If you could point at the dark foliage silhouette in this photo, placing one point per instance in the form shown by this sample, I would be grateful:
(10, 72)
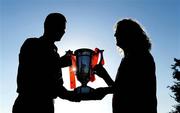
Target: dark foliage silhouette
(176, 87)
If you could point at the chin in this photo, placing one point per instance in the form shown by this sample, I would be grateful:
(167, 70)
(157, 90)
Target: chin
(117, 44)
(57, 38)
(121, 52)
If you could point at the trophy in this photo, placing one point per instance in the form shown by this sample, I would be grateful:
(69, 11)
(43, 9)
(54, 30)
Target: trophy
(83, 62)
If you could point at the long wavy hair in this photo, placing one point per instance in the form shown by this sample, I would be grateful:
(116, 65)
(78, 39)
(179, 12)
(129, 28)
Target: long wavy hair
(133, 35)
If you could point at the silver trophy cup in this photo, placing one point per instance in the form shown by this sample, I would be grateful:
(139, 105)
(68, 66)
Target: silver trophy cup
(84, 69)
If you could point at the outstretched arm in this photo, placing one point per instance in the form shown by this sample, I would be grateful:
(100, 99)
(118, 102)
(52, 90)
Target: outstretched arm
(101, 92)
(68, 95)
(101, 72)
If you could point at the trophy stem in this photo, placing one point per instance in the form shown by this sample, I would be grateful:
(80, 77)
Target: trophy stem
(84, 84)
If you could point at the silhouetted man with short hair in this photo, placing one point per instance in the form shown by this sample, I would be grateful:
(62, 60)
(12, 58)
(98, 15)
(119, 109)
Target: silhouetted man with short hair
(39, 78)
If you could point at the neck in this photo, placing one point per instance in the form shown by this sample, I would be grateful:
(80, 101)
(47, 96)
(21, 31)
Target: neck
(135, 52)
(47, 38)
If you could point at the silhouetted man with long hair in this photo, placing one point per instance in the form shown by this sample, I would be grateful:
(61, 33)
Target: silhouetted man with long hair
(134, 89)
(39, 78)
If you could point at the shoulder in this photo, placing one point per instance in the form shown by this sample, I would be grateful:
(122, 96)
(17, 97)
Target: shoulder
(148, 57)
(142, 59)
(145, 56)
(30, 43)
(148, 62)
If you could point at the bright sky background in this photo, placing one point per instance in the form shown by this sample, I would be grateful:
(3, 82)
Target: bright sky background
(89, 24)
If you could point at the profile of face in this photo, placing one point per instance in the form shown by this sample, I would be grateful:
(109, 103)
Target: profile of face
(131, 37)
(57, 31)
(127, 33)
(55, 25)
(120, 38)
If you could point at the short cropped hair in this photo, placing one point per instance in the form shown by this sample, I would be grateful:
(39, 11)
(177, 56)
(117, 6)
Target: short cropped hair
(53, 19)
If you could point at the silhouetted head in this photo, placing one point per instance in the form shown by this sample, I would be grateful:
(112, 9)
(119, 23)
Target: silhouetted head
(131, 37)
(54, 26)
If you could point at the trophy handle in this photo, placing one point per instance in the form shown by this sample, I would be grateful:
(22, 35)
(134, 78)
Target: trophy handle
(72, 69)
(95, 59)
(102, 58)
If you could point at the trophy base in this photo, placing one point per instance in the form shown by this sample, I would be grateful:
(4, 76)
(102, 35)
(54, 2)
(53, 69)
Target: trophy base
(85, 92)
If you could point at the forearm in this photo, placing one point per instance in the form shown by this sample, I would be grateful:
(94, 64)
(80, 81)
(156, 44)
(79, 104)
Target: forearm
(100, 93)
(68, 95)
(64, 93)
(108, 90)
(65, 61)
(108, 79)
